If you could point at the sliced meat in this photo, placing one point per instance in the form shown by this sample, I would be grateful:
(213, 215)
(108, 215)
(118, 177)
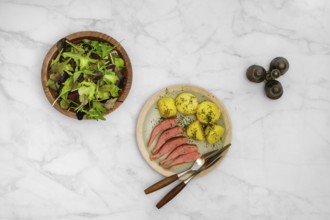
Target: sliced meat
(166, 135)
(181, 150)
(170, 145)
(162, 126)
(186, 158)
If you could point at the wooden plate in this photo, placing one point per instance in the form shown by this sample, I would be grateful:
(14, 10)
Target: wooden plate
(76, 37)
(149, 117)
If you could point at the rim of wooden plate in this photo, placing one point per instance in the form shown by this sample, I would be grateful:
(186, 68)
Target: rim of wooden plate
(76, 37)
(170, 89)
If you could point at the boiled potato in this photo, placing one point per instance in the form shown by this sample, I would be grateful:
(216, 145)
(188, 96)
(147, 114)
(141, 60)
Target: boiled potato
(166, 107)
(195, 131)
(208, 112)
(214, 133)
(186, 103)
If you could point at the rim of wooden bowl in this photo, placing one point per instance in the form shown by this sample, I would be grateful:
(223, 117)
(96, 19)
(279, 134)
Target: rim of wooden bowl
(76, 37)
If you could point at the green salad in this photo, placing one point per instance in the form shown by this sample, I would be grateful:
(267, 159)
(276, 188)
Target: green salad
(87, 77)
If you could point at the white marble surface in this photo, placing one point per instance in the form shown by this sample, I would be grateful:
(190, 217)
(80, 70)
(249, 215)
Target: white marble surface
(54, 167)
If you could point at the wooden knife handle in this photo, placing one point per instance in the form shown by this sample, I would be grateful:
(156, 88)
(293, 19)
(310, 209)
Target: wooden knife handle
(161, 184)
(171, 194)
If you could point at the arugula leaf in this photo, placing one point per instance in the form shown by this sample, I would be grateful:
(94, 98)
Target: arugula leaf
(107, 90)
(55, 77)
(65, 103)
(99, 107)
(114, 91)
(105, 48)
(119, 63)
(67, 86)
(103, 95)
(82, 61)
(57, 57)
(76, 47)
(88, 72)
(52, 84)
(65, 89)
(96, 111)
(104, 92)
(57, 67)
(76, 75)
(86, 89)
(93, 114)
(110, 77)
(100, 48)
(110, 104)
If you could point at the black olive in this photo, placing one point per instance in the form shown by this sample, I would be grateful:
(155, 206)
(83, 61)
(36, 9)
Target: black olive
(281, 64)
(256, 73)
(80, 115)
(273, 89)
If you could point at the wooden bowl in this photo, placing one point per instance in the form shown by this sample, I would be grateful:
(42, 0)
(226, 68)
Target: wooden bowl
(76, 37)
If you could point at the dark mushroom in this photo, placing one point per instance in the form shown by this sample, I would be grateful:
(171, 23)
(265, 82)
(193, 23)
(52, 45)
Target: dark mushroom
(268, 77)
(275, 73)
(256, 73)
(273, 89)
(281, 64)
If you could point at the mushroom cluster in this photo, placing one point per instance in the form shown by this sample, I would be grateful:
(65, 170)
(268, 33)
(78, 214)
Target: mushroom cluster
(278, 67)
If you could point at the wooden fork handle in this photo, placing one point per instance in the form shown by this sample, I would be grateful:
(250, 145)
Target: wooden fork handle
(175, 191)
(161, 184)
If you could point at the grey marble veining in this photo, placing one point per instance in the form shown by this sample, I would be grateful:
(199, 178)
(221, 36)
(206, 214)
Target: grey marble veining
(54, 167)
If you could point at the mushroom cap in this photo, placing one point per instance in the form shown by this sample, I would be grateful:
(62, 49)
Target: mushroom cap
(273, 89)
(281, 64)
(256, 73)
